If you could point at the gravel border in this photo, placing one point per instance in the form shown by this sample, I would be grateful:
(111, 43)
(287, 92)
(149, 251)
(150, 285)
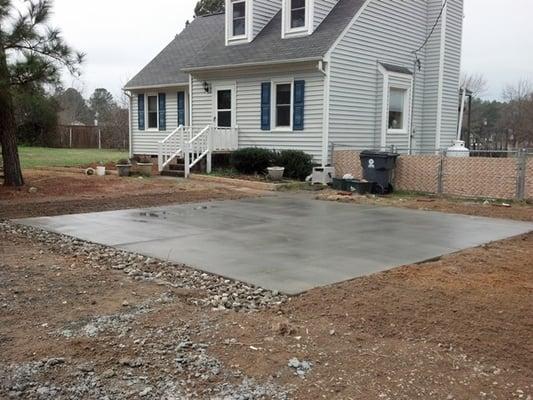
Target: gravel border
(215, 292)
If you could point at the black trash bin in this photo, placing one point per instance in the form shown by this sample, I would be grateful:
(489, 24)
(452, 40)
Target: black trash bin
(378, 167)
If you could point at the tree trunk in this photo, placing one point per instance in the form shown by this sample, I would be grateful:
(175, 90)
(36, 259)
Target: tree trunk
(8, 138)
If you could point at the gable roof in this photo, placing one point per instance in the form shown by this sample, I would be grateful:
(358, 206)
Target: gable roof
(202, 46)
(165, 68)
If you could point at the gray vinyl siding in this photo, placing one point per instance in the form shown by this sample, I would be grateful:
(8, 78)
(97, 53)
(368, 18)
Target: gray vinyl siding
(452, 72)
(248, 111)
(322, 9)
(452, 66)
(146, 142)
(387, 31)
(431, 84)
(263, 11)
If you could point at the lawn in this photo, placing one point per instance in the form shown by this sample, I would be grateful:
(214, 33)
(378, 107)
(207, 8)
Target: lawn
(33, 157)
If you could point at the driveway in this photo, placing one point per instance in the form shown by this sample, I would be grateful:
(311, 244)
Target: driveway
(288, 243)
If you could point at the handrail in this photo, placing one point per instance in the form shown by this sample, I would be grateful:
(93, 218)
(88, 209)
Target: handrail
(183, 142)
(175, 131)
(194, 139)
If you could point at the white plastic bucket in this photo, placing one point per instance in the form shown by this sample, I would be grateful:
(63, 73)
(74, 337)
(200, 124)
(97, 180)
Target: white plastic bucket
(100, 170)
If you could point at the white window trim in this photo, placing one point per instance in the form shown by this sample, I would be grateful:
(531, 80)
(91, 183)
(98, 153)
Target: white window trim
(146, 116)
(248, 25)
(225, 85)
(387, 85)
(405, 89)
(286, 31)
(274, 109)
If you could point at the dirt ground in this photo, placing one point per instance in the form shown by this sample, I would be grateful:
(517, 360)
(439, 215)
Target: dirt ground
(484, 208)
(456, 328)
(69, 191)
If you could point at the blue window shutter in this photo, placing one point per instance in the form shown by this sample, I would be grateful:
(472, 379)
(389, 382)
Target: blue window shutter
(299, 95)
(265, 106)
(162, 112)
(181, 108)
(140, 111)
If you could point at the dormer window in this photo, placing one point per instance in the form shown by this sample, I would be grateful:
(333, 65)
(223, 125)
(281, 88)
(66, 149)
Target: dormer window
(238, 13)
(297, 18)
(238, 21)
(298, 13)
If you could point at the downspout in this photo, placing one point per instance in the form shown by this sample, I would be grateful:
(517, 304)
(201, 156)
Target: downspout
(130, 122)
(190, 100)
(323, 66)
(412, 129)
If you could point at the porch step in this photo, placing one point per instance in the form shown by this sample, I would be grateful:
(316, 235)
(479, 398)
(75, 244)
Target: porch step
(176, 167)
(173, 173)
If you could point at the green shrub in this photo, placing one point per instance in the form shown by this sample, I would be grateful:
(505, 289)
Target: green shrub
(252, 160)
(298, 164)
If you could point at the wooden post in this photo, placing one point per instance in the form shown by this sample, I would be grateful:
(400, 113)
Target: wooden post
(99, 139)
(70, 137)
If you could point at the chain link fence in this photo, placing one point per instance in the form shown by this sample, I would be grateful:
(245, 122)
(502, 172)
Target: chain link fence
(485, 174)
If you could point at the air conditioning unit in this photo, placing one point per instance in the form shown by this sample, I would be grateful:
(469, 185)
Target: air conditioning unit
(322, 175)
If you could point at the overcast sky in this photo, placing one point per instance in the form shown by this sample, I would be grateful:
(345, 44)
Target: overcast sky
(121, 36)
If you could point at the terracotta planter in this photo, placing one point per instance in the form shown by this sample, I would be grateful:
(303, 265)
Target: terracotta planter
(123, 169)
(145, 169)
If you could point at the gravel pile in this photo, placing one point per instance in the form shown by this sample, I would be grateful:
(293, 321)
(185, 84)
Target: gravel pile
(213, 291)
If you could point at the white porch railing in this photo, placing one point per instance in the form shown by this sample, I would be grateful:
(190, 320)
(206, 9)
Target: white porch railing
(170, 147)
(194, 144)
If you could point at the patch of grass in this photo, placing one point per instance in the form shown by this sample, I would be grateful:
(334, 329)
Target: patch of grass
(34, 157)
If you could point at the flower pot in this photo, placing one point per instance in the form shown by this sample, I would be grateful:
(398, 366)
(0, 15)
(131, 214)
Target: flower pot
(276, 173)
(123, 169)
(145, 169)
(100, 170)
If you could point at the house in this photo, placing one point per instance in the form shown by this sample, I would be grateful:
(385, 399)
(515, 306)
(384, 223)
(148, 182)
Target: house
(302, 74)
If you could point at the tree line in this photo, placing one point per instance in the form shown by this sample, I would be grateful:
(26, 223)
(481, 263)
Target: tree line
(505, 124)
(38, 113)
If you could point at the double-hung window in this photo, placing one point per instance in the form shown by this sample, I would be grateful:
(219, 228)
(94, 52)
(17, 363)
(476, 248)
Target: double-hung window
(238, 15)
(397, 109)
(153, 112)
(283, 105)
(298, 14)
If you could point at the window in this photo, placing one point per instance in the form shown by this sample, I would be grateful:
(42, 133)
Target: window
(283, 105)
(152, 112)
(239, 18)
(397, 101)
(298, 13)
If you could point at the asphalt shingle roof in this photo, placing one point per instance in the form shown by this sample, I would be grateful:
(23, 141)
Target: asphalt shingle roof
(202, 45)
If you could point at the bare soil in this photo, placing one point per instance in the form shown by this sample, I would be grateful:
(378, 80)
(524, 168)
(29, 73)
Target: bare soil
(484, 208)
(456, 328)
(69, 191)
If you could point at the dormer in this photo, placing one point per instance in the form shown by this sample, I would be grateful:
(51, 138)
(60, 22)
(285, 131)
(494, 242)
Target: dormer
(246, 18)
(302, 17)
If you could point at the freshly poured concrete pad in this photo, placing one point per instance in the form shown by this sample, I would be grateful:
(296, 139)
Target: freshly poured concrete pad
(286, 243)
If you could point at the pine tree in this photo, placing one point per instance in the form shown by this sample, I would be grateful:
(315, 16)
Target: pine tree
(30, 52)
(204, 7)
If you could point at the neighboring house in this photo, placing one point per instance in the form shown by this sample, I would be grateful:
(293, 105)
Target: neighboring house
(302, 74)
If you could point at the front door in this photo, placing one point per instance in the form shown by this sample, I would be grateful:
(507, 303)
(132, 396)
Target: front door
(224, 110)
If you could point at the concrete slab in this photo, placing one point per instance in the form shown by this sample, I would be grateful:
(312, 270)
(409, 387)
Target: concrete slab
(287, 243)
